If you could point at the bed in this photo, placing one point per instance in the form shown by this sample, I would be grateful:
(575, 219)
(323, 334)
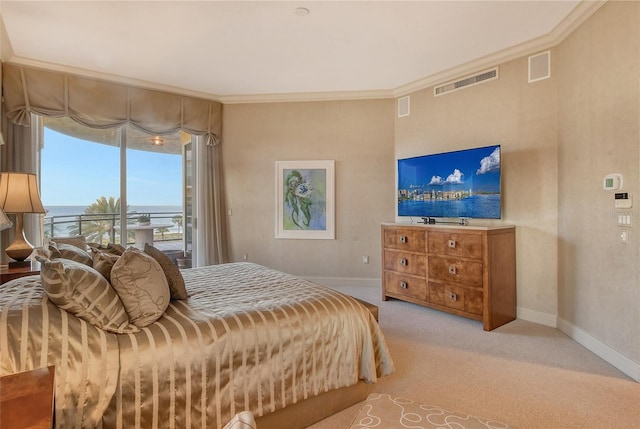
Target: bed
(247, 338)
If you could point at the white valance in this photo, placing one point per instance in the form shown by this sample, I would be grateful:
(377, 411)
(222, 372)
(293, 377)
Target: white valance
(99, 104)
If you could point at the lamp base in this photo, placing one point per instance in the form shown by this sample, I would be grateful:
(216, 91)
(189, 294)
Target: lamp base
(20, 249)
(20, 264)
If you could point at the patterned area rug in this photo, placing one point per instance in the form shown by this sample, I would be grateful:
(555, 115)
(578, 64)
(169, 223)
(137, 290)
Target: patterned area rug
(382, 411)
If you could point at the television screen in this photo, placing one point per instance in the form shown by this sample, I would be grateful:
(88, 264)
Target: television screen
(461, 184)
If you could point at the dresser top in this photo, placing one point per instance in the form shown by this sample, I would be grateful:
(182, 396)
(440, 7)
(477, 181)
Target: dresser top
(450, 226)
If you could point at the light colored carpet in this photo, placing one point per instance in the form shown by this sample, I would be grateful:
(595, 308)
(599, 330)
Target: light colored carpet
(523, 374)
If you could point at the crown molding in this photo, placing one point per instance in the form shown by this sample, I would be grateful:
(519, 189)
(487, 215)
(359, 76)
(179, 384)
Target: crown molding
(108, 77)
(570, 23)
(306, 96)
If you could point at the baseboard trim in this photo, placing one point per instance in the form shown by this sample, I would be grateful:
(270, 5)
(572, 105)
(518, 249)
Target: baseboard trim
(538, 317)
(346, 281)
(613, 357)
(605, 352)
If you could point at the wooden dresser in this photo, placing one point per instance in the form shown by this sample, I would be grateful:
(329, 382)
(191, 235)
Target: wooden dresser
(465, 270)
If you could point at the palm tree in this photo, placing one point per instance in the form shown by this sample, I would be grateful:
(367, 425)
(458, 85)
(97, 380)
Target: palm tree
(177, 219)
(100, 218)
(163, 231)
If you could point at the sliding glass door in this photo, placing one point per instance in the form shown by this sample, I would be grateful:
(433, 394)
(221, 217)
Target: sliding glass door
(117, 185)
(80, 181)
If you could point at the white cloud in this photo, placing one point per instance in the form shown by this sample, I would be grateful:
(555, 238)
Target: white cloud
(436, 180)
(455, 177)
(490, 163)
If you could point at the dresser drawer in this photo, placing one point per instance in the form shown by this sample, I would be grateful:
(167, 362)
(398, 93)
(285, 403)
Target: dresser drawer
(404, 262)
(452, 270)
(455, 244)
(405, 239)
(457, 297)
(400, 284)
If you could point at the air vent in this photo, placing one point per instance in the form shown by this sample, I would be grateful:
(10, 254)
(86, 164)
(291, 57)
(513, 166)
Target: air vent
(404, 106)
(485, 76)
(540, 66)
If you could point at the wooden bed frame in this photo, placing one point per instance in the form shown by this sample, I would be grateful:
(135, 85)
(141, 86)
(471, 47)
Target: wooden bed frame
(312, 410)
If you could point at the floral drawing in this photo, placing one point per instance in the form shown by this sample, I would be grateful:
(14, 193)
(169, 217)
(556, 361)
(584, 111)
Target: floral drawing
(298, 198)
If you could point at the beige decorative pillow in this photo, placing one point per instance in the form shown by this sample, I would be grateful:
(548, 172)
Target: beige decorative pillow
(79, 241)
(171, 271)
(84, 292)
(103, 263)
(113, 248)
(69, 251)
(142, 286)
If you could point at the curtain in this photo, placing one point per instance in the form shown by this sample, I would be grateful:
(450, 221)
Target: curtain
(20, 153)
(210, 220)
(100, 104)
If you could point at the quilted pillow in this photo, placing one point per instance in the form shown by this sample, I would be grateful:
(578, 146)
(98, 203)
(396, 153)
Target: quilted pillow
(142, 286)
(103, 262)
(82, 291)
(243, 420)
(69, 251)
(174, 278)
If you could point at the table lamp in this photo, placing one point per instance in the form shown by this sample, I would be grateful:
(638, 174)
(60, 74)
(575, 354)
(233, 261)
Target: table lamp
(19, 195)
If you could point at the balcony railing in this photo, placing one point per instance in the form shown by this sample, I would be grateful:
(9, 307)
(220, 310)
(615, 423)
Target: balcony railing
(100, 227)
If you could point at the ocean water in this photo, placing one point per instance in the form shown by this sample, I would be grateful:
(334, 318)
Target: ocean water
(477, 206)
(77, 210)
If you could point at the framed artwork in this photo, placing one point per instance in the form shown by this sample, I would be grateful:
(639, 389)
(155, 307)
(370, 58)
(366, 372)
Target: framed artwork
(305, 201)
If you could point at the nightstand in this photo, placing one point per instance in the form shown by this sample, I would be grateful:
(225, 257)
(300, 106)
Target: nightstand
(7, 273)
(26, 399)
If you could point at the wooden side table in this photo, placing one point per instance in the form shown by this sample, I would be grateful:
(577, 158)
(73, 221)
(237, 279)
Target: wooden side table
(7, 273)
(26, 399)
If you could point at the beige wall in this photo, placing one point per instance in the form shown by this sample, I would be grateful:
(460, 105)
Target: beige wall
(358, 135)
(599, 106)
(559, 137)
(522, 118)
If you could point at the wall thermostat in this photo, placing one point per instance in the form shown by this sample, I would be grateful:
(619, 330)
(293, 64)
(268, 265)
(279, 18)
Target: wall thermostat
(612, 182)
(623, 200)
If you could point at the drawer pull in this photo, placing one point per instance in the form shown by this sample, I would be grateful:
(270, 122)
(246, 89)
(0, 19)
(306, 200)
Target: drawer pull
(452, 269)
(452, 244)
(453, 296)
(403, 239)
(404, 285)
(404, 262)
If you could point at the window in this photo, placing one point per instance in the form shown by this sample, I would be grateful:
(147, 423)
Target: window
(98, 183)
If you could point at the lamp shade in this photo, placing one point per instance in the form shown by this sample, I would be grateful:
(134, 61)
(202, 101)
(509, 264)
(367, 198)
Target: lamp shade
(19, 193)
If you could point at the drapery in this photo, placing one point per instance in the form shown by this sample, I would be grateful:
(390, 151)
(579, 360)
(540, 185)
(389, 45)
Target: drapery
(100, 104)
(210, 217)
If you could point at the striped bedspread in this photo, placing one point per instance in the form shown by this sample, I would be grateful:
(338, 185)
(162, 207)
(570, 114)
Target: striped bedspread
(248, 338)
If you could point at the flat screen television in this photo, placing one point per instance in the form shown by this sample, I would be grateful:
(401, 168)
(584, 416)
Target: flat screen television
(462, 184)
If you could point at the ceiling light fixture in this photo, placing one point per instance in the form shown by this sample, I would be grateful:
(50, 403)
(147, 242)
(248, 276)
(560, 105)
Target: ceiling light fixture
(157, 141)
(302, 11)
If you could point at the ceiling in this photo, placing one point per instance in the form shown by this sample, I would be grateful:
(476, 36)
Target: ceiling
(252, 49)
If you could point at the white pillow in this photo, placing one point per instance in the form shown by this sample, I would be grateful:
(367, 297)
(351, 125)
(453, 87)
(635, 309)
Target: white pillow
(142, 287)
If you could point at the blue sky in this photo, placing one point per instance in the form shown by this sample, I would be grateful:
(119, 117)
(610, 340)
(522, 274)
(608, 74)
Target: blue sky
(476, 169)
(76, 172)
